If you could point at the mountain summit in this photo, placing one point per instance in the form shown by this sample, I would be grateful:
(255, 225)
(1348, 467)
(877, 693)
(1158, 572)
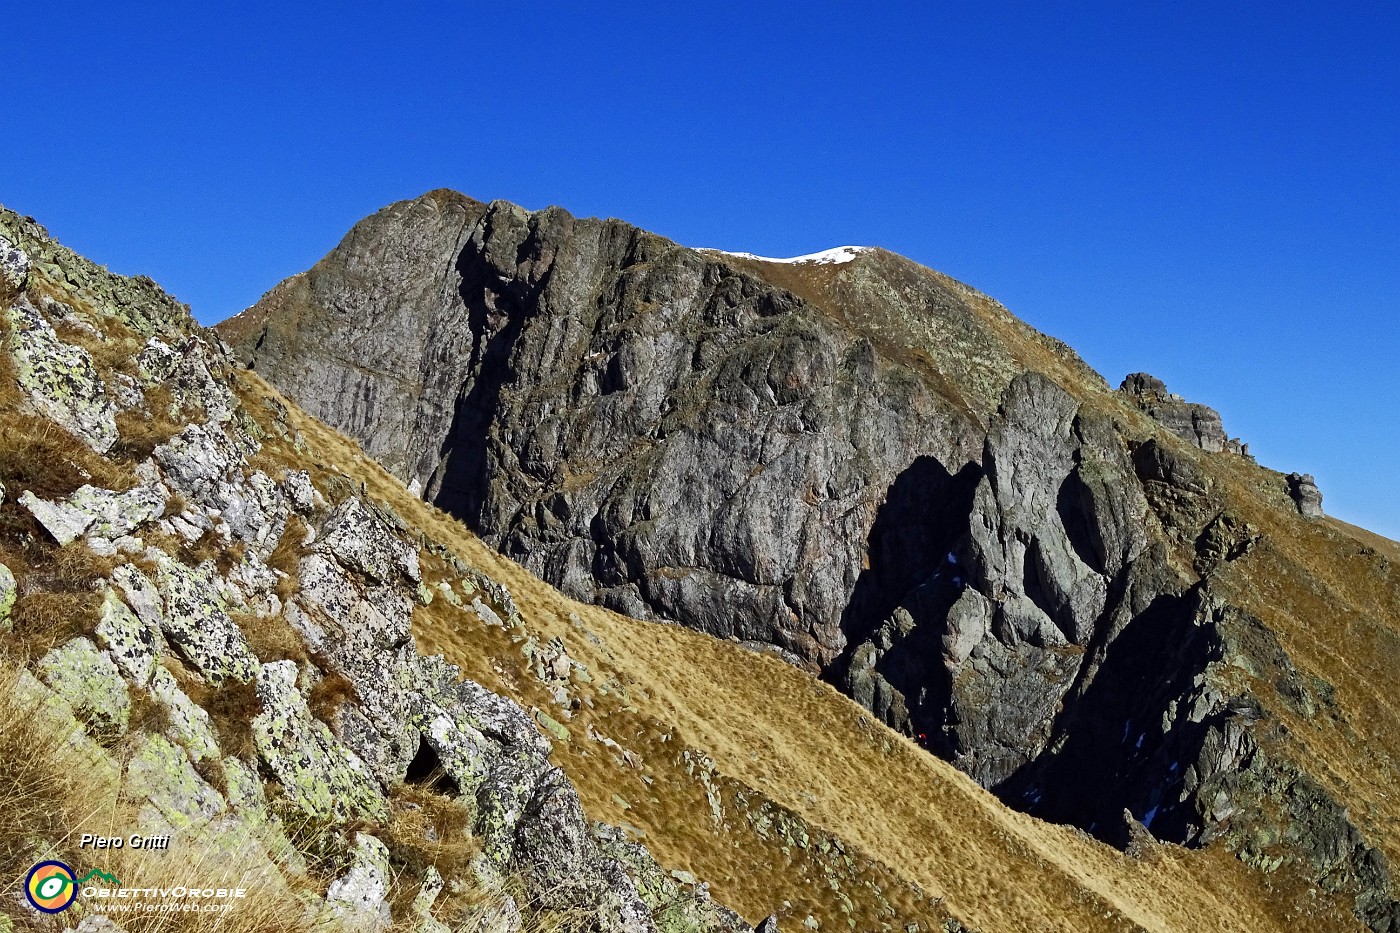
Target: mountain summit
(1092, 601)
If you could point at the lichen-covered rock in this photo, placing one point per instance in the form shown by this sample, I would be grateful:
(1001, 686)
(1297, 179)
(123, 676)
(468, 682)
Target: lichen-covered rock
(423, 901)
(317, 773)
(359, 898)
(91, 683)
(552, 844)
(60, 719)
(198, 461)
(362, 632)
(195, 621)
(301, 494)
(60, 380)
(187, 724)
(360, 538)
(100, 513)
(9, 591)
(63, 524)
(185, 372)
(160, 773)
(205, 464)
(133, 644)
(14, 271)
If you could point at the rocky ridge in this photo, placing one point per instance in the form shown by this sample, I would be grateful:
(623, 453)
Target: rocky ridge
(235, 655)
(880, 474)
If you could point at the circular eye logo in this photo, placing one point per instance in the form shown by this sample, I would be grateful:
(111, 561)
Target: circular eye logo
(51, 887)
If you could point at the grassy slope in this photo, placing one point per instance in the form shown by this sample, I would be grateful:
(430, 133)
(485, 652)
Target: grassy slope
(811, 750)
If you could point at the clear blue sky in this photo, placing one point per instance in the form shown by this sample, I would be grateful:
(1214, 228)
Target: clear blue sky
(1206, 191)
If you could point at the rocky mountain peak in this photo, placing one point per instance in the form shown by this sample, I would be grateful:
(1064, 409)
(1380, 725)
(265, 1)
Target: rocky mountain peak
(870, 469)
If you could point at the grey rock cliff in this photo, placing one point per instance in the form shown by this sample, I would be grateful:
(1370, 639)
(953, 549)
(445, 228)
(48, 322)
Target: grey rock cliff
(870, 467)
(646, 426)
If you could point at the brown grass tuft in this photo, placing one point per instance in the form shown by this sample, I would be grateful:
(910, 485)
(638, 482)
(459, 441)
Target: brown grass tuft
(286, 557)
(428, 829)
(47, 794)
(231, 706)
(60, 594)
(271, 638)
(330, 693)
(141, 430)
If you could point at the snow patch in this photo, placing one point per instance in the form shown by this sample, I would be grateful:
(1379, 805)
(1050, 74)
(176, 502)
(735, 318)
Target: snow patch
(832, 257)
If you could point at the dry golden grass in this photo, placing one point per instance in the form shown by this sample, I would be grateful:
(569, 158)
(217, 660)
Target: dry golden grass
(811, 750)
(42, 458)
(141, 430)
(47, 794)
(231, 706)
(271, 638)
(218, 860)
(60, 588)
(1331, 592)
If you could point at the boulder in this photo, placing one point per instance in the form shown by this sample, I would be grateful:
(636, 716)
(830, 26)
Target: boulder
(101, 513)
(161, 774)
(361, 539)
(88, 679)
(359, 899)
(196, 622)
(317, 773)
(187, 724)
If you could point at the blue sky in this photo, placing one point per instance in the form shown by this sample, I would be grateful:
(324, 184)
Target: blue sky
(1206, 191)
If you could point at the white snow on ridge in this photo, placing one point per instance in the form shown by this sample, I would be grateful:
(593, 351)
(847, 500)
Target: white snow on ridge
(833, 256)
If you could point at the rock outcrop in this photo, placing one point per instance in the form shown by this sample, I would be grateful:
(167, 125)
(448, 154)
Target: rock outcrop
(1197, 424)
(1302, 489)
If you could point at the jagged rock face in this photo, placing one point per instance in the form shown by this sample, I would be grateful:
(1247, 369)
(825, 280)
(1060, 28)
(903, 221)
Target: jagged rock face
(646, 426)
(1052, 555)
